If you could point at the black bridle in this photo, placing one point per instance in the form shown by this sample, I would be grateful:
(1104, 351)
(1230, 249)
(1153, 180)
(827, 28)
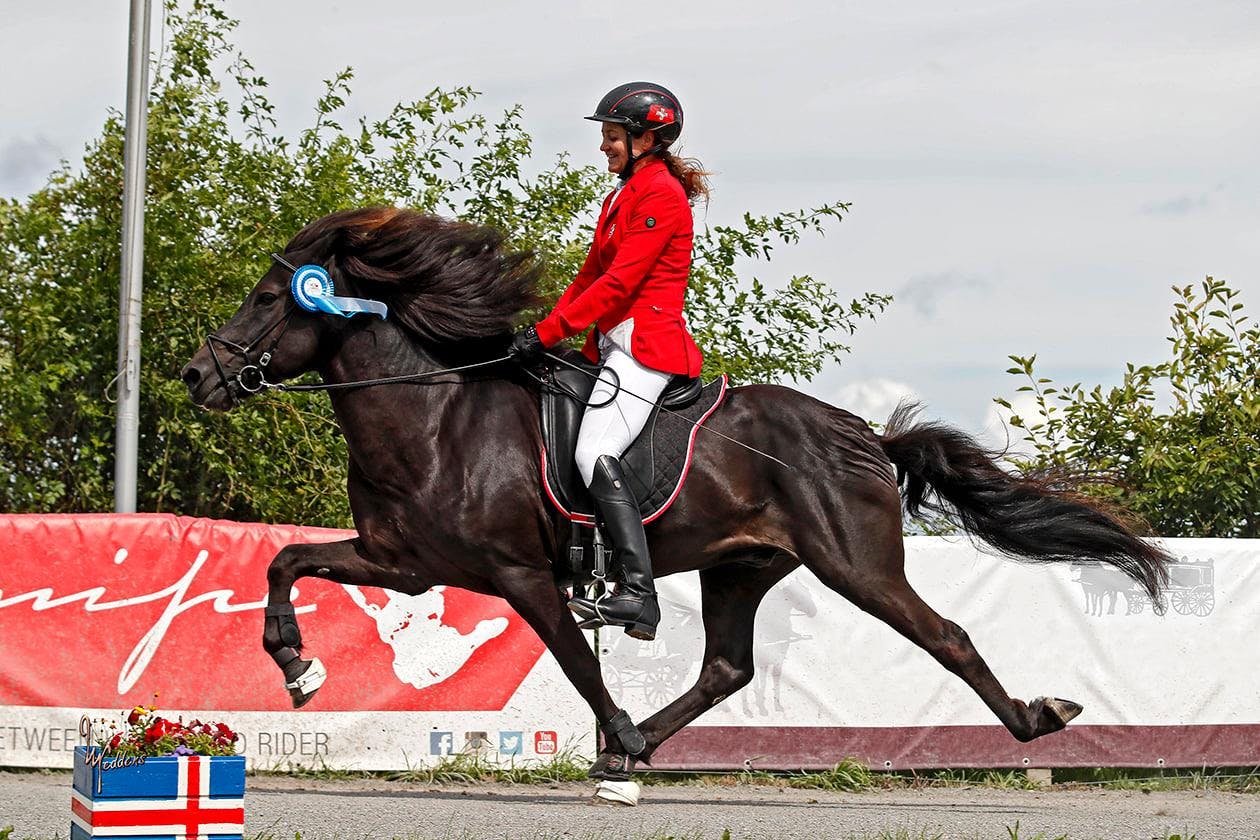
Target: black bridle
(251, 378)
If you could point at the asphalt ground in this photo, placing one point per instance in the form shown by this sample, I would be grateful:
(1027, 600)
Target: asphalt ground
(37, 806)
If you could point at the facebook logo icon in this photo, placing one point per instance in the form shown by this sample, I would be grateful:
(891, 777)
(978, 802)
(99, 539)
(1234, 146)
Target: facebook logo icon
(511, 743)
(441, 743)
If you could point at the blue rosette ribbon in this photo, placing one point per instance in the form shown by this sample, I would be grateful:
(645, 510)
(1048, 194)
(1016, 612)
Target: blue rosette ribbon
(312, 288)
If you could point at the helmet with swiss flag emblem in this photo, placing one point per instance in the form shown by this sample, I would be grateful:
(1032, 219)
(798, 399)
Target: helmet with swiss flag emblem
(640, 107)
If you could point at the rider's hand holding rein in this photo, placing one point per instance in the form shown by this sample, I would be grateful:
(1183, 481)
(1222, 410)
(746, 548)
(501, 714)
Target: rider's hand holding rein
(631, 287)
(525, 345)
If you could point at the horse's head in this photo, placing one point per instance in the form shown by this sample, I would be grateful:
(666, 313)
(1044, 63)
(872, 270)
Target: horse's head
(445, 282)
(270, 338)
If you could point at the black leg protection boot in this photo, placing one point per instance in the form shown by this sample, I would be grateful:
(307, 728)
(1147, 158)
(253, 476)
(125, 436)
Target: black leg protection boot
(634, 605)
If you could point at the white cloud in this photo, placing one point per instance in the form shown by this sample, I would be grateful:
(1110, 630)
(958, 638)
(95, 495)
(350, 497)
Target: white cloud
(925, 291)
(873, 399)
(1182, 204)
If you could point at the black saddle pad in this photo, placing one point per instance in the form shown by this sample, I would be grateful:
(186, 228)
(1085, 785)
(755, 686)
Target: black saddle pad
(655, 464)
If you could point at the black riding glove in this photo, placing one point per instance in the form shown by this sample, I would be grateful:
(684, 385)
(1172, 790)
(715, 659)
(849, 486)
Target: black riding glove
(526, 345)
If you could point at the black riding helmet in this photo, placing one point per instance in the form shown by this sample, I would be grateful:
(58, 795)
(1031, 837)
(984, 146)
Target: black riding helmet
(640, 107)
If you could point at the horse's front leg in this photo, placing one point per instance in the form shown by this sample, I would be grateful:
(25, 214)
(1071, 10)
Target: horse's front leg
(340, 562)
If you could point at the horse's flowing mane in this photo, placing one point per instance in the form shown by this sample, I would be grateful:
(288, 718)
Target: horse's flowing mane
(443, 280)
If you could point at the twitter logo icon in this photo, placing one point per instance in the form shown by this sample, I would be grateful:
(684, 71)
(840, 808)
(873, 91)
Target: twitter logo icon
(511, 743)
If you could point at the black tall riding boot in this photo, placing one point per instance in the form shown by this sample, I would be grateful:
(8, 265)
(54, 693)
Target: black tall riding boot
(634, 605)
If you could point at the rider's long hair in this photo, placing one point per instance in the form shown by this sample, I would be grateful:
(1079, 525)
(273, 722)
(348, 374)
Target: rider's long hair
(690, 173)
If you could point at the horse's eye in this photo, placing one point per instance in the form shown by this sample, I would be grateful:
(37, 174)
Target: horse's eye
(267, 298)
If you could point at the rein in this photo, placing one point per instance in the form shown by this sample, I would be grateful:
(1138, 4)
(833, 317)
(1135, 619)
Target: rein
(386, 380)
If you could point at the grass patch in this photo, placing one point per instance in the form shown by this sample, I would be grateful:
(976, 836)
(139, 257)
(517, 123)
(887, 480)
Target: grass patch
(1000, 779)
(1228, 779)
(852, 776)
(462, 768)
(849, 775)
(469, 768)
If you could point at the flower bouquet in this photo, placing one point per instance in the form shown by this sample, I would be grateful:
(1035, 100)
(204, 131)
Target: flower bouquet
(149, 735)
(157, 777)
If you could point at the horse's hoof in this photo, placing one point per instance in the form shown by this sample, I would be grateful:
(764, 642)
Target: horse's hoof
(612, 767)
(1064, 710)
(302, 689)
(609, 792)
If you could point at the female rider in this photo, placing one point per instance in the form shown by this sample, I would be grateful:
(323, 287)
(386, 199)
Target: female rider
(631, 288)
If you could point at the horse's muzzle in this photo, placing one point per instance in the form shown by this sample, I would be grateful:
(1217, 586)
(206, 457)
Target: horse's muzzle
(206, 387)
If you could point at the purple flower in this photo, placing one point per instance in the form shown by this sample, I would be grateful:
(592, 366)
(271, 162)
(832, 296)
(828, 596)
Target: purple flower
(183, 750)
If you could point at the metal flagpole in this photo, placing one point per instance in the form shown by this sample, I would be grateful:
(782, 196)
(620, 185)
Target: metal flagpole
(126, 443)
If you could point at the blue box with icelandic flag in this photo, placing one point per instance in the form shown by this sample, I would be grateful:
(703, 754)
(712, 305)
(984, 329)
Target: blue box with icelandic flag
(194, 796)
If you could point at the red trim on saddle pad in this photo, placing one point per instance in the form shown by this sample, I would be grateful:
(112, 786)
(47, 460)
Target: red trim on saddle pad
(583, 519)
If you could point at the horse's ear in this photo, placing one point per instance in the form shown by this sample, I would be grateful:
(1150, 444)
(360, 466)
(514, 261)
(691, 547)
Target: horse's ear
(346, 282)
(339, 247)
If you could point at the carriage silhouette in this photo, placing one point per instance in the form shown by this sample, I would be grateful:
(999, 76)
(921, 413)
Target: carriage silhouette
(658, 670)
(1191, 589)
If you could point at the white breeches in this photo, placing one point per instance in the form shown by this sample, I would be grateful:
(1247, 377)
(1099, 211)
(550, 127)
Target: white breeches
(610, 429)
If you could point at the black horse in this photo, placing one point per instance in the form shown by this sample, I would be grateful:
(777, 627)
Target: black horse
(445, 483)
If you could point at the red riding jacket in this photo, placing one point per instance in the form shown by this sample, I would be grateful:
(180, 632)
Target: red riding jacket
(637, 268)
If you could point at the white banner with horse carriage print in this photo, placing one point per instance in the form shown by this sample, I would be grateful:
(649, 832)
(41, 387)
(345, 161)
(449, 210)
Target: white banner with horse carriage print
(1174, 689)
(102, 612)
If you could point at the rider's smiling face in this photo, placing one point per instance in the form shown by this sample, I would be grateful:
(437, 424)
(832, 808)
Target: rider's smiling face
(614, 145)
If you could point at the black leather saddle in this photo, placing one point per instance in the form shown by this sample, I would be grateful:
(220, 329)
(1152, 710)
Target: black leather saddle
(655, 464)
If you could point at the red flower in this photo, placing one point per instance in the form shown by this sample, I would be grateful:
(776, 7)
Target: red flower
(160, 728)
(115, 741)
(134, 717)
(225, 732)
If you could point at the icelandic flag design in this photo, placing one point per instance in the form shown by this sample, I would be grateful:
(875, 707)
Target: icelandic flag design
(660, 114)
(169, 798)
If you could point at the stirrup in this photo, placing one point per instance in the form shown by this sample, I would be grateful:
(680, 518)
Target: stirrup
(599, 618)
(634, 628)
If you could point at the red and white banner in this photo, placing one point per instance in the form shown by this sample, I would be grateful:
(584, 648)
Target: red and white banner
(101, 612)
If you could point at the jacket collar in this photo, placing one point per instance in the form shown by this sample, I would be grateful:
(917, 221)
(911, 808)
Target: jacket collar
(647, 172)
(641, 176)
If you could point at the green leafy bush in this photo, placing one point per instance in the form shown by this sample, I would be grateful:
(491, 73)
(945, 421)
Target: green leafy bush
(1177, 442)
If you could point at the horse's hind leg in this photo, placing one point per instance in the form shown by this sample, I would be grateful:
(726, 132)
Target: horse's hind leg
(341, 562)
(874, 579)
(730, 594)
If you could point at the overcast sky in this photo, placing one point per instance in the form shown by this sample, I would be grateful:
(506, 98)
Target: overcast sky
(1025, 176)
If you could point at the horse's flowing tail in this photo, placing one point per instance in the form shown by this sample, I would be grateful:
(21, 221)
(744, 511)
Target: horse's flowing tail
(943, 471)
